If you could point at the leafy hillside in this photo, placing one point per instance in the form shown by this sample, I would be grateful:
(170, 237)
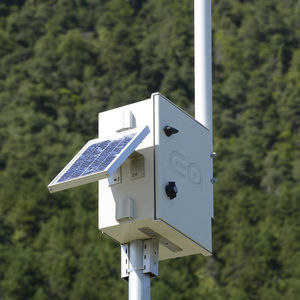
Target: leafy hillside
(63, 61)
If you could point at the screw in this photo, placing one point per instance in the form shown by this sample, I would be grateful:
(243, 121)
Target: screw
(213, 155)
(213, 180)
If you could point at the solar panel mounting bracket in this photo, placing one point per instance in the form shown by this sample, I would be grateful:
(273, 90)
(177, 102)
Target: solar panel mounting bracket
(115, 178)
(137, 165)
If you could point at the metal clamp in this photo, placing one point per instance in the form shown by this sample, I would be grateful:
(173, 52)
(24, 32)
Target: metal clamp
(150, 259)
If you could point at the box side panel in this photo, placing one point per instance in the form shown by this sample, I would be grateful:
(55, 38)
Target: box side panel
(139, 190)
(183, 158)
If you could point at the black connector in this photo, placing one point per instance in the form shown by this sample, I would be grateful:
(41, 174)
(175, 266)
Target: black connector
(170, 130)
(171, 190)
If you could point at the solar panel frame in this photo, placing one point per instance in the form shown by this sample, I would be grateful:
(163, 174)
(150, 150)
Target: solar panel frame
(139, 136)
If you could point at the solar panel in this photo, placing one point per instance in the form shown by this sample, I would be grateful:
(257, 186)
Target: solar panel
(98, 159)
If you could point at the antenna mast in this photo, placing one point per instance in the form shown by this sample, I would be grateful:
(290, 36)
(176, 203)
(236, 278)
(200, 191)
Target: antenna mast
(203, 63)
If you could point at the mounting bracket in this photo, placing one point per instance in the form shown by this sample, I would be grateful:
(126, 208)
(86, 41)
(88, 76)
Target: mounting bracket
(137, 165)
(150, 259)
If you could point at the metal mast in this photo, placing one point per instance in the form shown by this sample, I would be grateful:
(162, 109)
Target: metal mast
(203, 63)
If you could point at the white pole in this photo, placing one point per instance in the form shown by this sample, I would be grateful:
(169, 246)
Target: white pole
(139, 283)
(203, 63)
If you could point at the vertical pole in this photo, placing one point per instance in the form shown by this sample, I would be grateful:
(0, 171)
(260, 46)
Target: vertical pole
(139, 283)
(203, 63)
(203, 71)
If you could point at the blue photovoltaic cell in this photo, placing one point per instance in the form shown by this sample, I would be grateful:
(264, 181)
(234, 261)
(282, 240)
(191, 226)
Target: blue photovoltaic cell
(96, 158)
(108, 155)
(86, 158)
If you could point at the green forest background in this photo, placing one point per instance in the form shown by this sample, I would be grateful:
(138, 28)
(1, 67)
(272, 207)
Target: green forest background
(63, 61)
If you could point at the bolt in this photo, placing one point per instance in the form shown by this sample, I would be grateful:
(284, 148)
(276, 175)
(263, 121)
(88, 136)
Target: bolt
(213, 155)
(213, 180)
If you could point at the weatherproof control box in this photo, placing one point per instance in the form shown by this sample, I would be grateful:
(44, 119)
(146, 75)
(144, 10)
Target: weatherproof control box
(163, 190)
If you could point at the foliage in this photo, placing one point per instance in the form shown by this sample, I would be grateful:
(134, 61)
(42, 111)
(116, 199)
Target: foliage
(62, 61)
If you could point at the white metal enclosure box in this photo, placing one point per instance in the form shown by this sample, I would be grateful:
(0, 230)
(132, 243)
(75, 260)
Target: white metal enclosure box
(134, 204)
